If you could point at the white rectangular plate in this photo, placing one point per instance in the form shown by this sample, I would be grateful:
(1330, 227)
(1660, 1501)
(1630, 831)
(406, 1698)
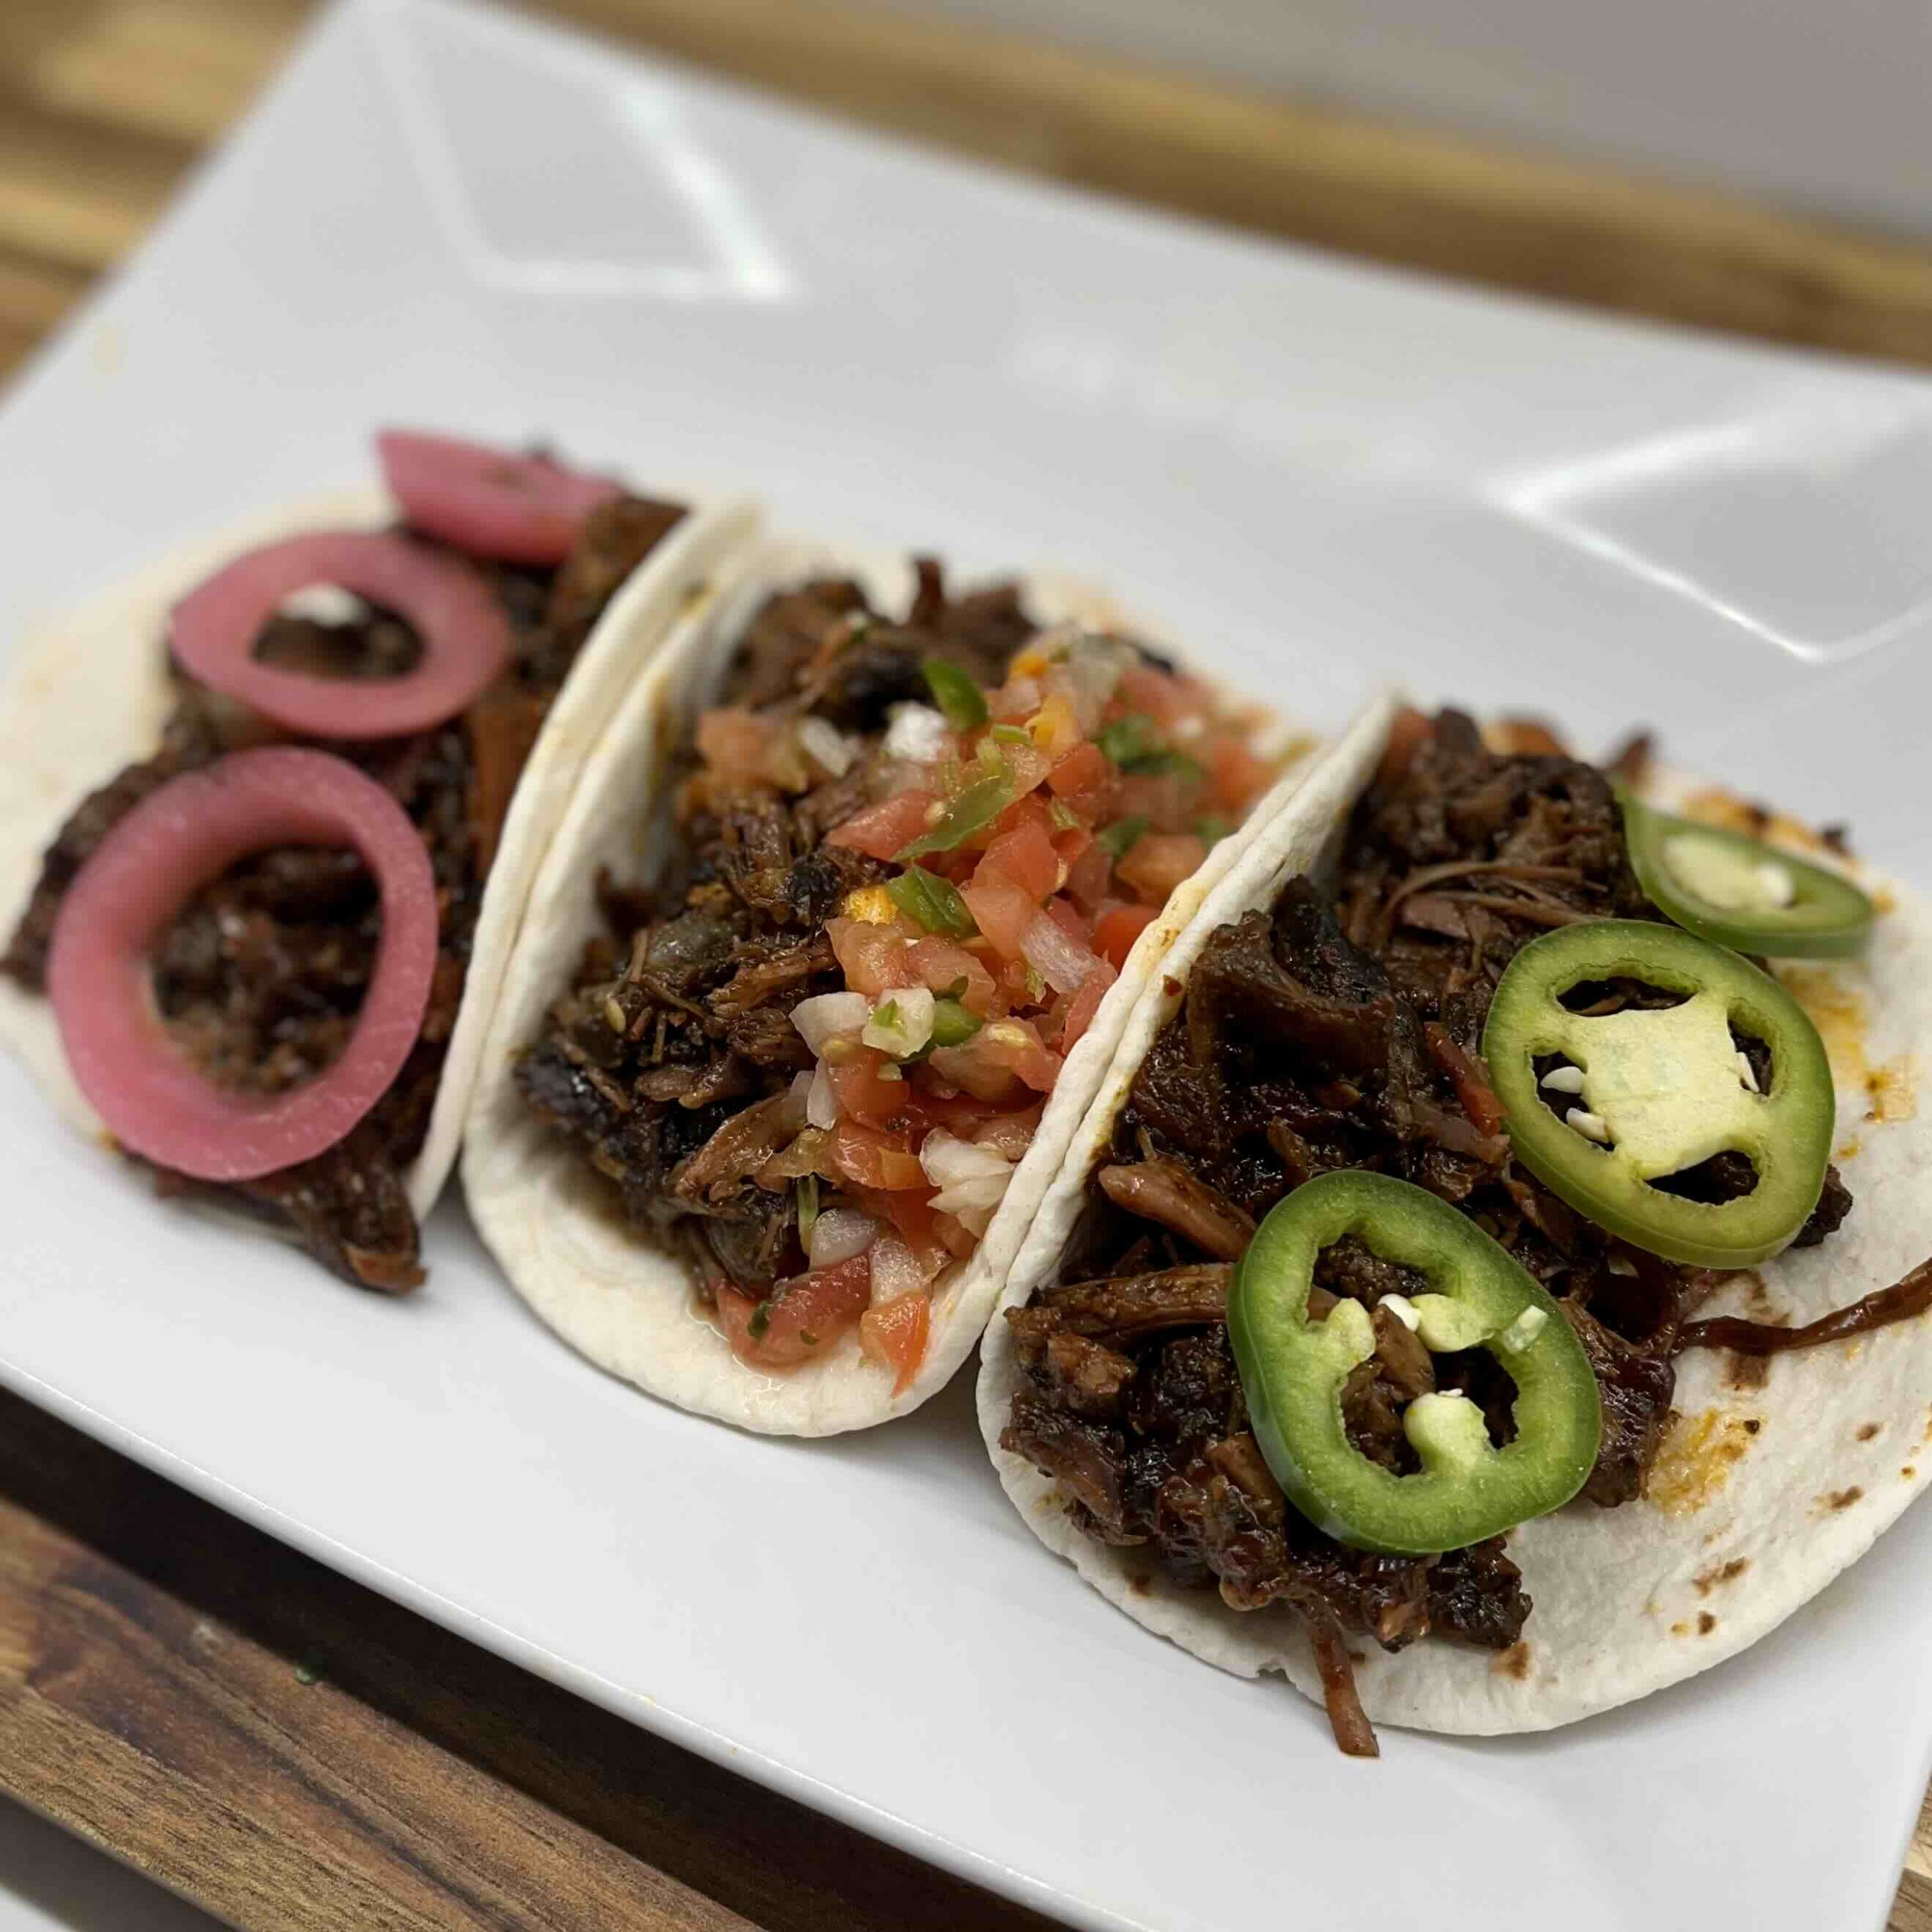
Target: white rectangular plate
(1317, 473)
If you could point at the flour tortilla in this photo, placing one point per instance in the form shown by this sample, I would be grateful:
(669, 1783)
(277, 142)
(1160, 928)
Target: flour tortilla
(552, 1223)
(90, 690)
(1762, 1495)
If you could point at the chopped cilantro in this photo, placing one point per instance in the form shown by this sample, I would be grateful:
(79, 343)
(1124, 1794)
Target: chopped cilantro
(961, 700)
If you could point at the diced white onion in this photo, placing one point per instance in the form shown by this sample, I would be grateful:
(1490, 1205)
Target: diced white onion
(838, 1234)
(947, 1159)
(895, 1270)
(826, 746)
(822, 1103)
(1052, 952)
(1008, 1135)
(818, 1018)
(917, 732)
(322, 603)
(1021, 697)
(901, 1023)
(974, 1203)
(1095, 665)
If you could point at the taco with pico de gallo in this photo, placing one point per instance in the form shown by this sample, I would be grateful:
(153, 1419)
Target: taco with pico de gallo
(823, 968)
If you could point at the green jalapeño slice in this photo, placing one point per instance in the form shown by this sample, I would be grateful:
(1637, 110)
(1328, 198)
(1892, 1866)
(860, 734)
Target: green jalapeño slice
(1602, 1107)
(1293, 1370)
(1739, 892)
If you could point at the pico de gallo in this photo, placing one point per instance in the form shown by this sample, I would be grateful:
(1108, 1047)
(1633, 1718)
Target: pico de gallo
(913, 859)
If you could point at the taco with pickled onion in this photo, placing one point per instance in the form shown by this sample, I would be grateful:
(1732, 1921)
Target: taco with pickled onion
(1455, 1298)
(823, 966)
(272, 809)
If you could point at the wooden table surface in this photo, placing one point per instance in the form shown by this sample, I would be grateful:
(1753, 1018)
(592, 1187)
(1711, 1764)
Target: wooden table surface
(280, 1745)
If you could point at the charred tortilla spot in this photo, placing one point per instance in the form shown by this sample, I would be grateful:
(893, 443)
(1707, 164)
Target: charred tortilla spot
(1706, 1623)
(1708, 1580)
(1867, 1430)
(1514, 1661)
(1835, 1499)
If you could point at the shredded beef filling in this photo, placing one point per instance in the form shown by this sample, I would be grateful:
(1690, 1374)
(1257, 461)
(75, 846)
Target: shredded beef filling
(677, 1025)
(262, 975)
(1342, 1032)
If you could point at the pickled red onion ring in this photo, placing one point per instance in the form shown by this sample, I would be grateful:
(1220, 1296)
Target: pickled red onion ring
(523, 509)
(465, 635)
(154, 1101)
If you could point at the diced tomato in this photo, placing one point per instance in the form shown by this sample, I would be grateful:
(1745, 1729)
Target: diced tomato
(940, 964)
(1054, 728)
(1168, 800)
(799, 1318)
(1015, 1045)
(914, 1221)
(874, 959)
(1028, 765)
(960, 1240)
(1032, 809)
(1019, 697)
(1009, 1133)
(1166, 699)
(863, 1092)
(1025, 858)
(869, 1158)
(1085, 769)
(1070, 842)
(958, 1113)
(1086, 1003)
(1158, 862)
(1116, 929)
(1019, 984)
(1237, 777)
(1088, 877)
(733, 741)
(984, 1078)
(1002, 911)
(884, 830)
(910, 1211)
(1067, 918)
(895, 1333)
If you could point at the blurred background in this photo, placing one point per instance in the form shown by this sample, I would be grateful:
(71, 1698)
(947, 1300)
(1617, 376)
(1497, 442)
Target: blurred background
(1759, 165)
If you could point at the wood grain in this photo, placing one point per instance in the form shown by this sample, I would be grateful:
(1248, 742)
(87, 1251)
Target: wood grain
(293, 1752)
(287, 1750)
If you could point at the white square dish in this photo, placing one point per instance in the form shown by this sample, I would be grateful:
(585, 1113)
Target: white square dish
(1316, 474)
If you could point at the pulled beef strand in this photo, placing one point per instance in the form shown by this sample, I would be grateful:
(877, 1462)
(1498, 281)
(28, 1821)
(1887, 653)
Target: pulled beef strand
(1164, 1191)
(1907, 1298)
(1355, 1736)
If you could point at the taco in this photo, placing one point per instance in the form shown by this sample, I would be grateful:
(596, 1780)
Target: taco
(284, 794)
(1447, 1301)
(823, 968)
